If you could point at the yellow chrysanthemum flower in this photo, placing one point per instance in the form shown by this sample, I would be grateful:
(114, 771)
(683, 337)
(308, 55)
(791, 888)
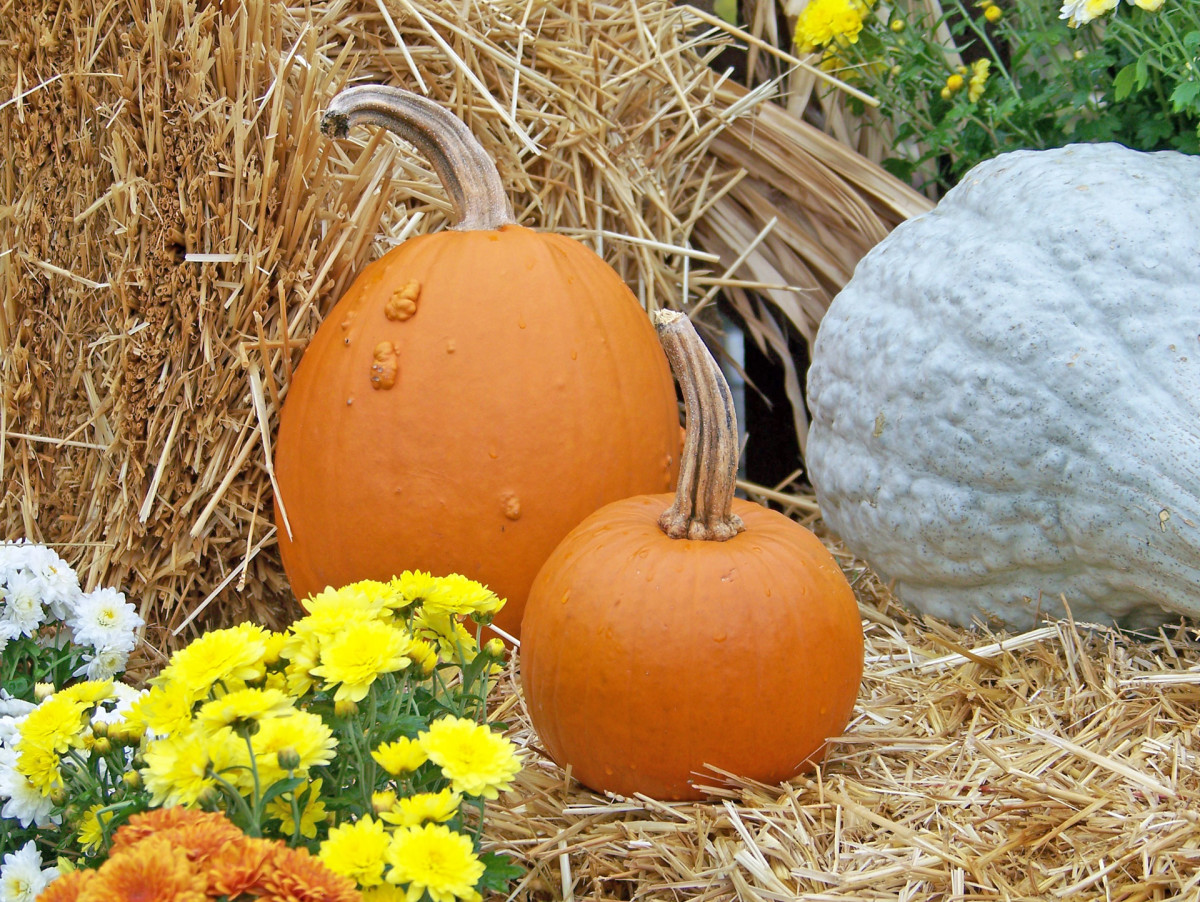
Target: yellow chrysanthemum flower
(49, 730)
(434, 859)
(176, 771)
(825, 22)
(56, 724)
(476, 761)
(979, 76)
(91, 827)
(242, 706)
(360, 655)
(228, 754)
(423, 807)
(300, 732)
(400, 757)
(330, 613)
(424, 654)
(163, 710)
(40, 766)
(275, 643)
(413, 587)
(218, 656)
(88, 692)
(349, 602)
(357, 851)
(312, 812)
(452, 639)
(457, 595)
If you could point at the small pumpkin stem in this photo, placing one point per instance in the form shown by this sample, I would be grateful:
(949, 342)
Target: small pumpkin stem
(463, 166)
(703, 507)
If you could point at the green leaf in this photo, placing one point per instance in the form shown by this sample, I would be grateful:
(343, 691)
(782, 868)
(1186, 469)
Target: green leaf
(1126, 82)
(498, 872)
(1186, 96)
(1143, 70)
(900, 168)
(279, 787)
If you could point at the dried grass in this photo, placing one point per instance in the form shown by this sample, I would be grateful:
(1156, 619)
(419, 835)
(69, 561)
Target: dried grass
(1057, 764)
(173, 228)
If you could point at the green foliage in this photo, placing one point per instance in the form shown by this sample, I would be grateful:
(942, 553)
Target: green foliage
(1129, 74)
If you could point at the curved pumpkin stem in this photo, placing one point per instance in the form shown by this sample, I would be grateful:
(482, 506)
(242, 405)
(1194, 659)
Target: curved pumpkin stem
(464, 168)
(703, 507)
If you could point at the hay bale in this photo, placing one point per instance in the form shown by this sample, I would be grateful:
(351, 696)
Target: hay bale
(174, 228)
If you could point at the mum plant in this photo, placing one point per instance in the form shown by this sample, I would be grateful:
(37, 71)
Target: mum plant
(973, 79)
(52, 634)
(51, 631)
(360, 734)
(186, 854)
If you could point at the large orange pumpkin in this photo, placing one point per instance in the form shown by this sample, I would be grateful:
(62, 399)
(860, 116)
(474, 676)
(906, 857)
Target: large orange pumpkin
(719, 633)
(474, 395)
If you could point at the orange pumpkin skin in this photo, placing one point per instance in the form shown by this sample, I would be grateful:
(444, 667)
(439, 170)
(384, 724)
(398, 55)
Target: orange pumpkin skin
(643, 658)
(527, 366)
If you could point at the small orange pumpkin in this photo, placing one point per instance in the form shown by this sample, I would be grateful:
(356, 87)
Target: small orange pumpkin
(474, 395)
(720, 633)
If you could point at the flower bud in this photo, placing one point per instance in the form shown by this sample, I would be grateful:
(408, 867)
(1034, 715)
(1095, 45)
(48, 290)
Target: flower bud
(897, 25)
(132, 779)
(101, 745)
(99, 728)
(345, 707)
(955, 83)
(494, 647)
(946, 93)
(58, 797)
(384, 800)
(993, 14)
(42, 691)
(288, 758)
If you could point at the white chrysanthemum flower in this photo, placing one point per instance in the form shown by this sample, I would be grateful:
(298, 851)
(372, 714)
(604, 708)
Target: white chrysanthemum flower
(11, 706)
(61, 584)
(12, 712)
(22, 877)
(103, 619)
(1080, 12)
(102, 663)
(14, 556)
(22, 800)
(22, 612)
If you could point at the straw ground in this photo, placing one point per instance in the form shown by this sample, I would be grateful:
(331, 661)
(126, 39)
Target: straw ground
(1057, 764)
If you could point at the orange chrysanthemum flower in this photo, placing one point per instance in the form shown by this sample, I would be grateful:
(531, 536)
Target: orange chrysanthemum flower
(239, 867)
(154, 871)
(158, 820)
(298, 876)
(67, 887)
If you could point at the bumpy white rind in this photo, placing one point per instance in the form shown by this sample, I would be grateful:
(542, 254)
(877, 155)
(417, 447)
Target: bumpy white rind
(1006, 396)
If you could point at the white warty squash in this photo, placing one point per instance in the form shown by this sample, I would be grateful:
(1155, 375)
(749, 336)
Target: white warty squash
(1006, 395)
